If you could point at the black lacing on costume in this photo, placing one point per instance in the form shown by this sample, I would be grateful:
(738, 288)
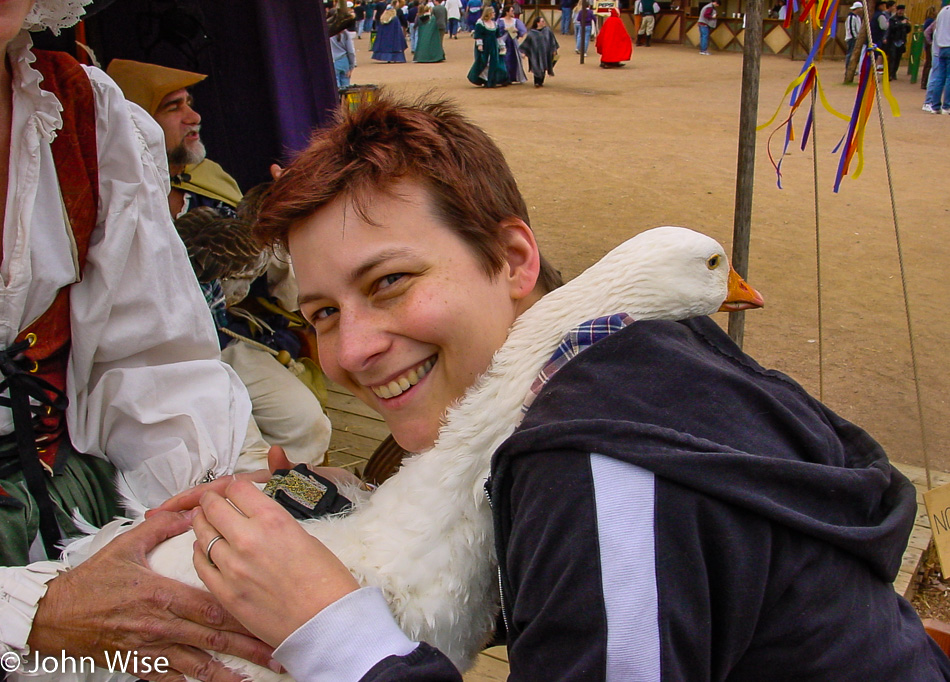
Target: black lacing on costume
(23, 384)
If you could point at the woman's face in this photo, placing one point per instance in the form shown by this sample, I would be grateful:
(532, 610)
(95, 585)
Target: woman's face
(406, 317)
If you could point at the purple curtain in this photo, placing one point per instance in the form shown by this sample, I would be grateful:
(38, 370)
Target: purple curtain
(297, 51)
(270, 77)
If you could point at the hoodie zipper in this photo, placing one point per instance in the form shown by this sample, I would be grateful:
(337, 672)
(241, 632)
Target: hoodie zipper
(501, 590)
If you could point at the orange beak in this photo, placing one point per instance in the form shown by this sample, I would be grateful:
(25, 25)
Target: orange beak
(740, 295)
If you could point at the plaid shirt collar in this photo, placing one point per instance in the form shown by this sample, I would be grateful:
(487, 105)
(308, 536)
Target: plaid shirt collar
(583, 336)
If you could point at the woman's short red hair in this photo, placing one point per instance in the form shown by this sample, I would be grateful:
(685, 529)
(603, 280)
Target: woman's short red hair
(377, 143)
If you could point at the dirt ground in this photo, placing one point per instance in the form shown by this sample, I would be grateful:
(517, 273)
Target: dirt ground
(602, 154)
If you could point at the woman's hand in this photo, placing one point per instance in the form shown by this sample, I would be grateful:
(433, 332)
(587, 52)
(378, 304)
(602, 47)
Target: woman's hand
(267, 570)
(276, 459)
(114, 604)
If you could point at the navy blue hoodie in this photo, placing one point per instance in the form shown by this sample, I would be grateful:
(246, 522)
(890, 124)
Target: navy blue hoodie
(670, 510)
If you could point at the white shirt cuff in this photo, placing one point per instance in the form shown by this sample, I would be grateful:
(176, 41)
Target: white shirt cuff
(344, 640)
(21, 588)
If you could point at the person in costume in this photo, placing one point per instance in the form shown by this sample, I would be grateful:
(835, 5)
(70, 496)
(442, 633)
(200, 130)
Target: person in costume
(453, 10)
(613, 42)
(540, 47)
(473, 12)
(111, 368)
(584, 23)
(488, 68)
(285, 410)
(661, 513)
(647, 9)
(895, 40)
(514, 30)
(429, 48)
(390, 44)
(880, 21)
(441, 16)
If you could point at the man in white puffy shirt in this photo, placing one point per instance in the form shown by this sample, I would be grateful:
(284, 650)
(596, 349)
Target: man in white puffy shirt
(110, 368)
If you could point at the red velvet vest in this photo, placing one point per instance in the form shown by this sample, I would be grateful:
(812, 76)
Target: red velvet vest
(75, 156)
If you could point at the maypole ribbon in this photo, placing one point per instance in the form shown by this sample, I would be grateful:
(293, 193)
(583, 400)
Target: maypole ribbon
(823, 14)
(802, 87)
(791, 6)
(853, 141)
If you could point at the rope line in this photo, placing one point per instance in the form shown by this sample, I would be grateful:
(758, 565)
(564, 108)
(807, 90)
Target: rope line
(900, 254)
(900, 260)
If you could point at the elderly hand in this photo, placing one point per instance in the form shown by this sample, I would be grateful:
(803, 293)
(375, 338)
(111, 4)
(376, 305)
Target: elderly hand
(114, 603)
(268, 571)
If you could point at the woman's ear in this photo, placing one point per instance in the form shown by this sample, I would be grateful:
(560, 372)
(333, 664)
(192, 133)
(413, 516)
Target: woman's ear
(522, 259)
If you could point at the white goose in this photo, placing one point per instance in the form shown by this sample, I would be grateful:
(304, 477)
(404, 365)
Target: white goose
(425, 536)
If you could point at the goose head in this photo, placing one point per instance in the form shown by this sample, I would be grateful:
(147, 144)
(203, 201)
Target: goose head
(668, 272)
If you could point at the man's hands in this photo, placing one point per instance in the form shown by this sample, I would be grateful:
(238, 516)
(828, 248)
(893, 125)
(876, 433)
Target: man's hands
(114, 603)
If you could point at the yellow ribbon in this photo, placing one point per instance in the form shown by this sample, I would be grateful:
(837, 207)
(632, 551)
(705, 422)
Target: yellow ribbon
(895, 109)
(821, 94)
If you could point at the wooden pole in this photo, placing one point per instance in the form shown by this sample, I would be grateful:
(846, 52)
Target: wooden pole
(745, 167)
(852, 66)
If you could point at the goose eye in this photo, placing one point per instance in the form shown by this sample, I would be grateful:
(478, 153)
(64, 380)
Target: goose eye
(713, 262)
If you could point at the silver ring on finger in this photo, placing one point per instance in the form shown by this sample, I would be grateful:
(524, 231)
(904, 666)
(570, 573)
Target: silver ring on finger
(208, 550)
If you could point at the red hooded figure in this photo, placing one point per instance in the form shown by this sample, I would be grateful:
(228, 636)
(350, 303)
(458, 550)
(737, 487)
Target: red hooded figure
(613, 42)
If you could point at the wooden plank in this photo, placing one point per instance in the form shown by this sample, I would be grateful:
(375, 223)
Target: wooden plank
(487, 669)
(499, 652)
(345, 460)
(352, 444)
(361, 426)
(920, 538)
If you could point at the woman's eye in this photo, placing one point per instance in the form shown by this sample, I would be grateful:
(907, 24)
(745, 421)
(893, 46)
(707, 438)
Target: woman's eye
(389, 280)
(323, 313)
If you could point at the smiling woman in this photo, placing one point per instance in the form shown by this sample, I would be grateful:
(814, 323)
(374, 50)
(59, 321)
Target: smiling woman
(406, 316)
(430, 258)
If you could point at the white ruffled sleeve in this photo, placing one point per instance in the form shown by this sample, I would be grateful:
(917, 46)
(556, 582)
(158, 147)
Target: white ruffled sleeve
(21, 589)
(146, 386)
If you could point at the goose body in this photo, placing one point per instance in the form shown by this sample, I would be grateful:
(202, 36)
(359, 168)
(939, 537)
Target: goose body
(425, 536)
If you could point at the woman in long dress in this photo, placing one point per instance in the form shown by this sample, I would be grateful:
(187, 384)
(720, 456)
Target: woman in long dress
(428, 38)
(613, 42)
(489, 67)
(390, 44)
(540, 46)
(514, 29)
